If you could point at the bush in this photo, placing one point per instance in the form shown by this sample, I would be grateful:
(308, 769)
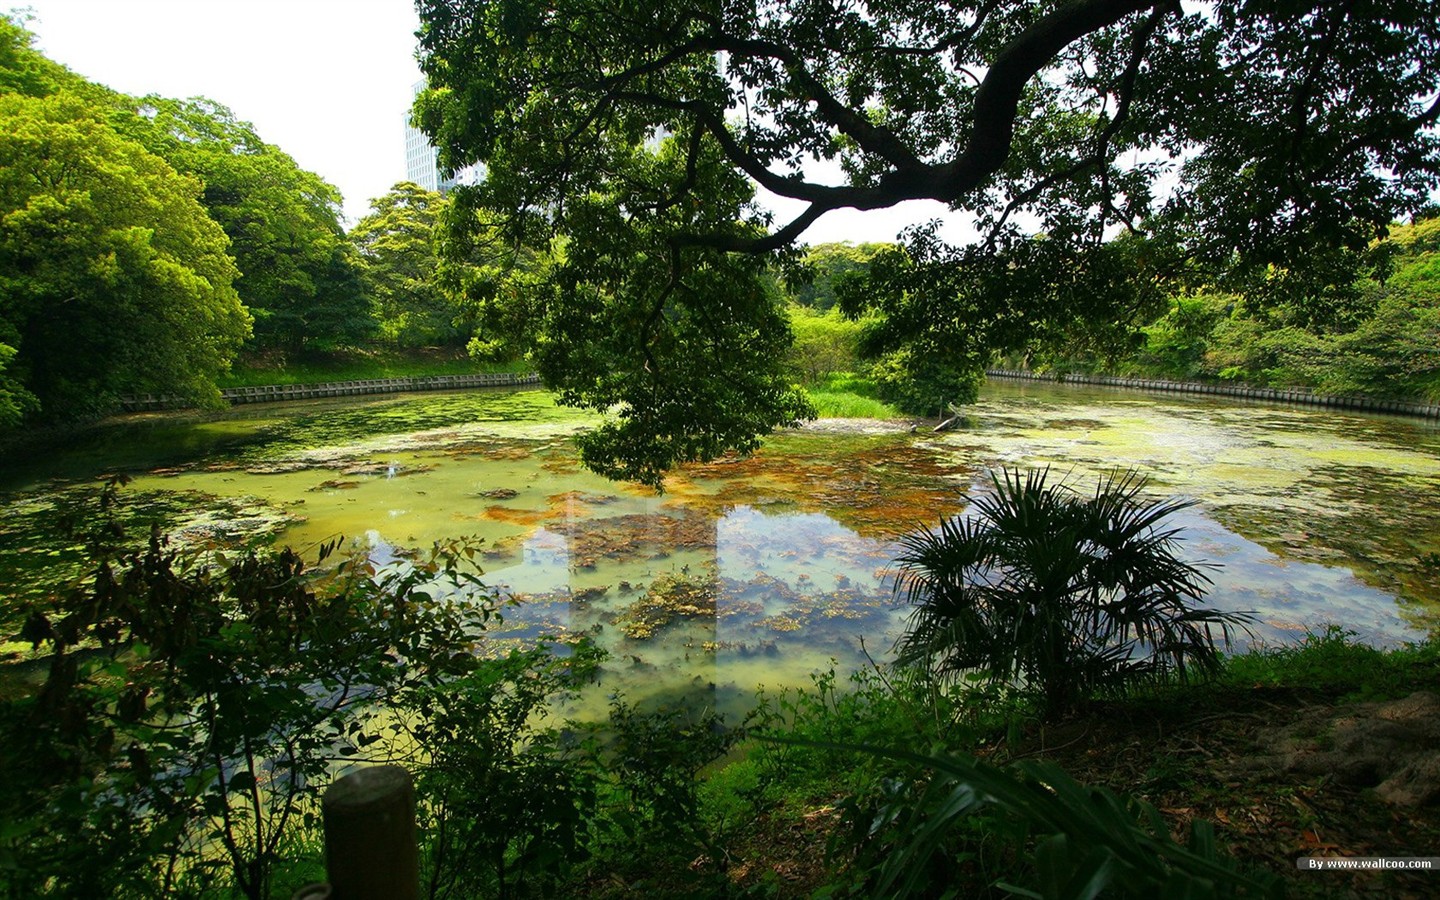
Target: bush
(1062, 596)
(196, 703)
(926, 384)
(825, 343)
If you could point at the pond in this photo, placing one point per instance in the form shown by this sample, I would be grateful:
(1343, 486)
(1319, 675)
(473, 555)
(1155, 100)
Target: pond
(757, 571)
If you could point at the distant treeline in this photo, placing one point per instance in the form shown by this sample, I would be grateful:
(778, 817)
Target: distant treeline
(1378, 336)
(145, 242)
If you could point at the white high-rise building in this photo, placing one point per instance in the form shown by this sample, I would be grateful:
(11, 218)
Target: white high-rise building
(421, 164)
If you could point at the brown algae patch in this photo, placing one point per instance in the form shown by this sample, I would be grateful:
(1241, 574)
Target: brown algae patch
(510, 516)
(878, 486)
(669, 598)
(637, 535)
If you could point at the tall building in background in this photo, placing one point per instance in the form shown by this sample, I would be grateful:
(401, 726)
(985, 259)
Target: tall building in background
(421, 164)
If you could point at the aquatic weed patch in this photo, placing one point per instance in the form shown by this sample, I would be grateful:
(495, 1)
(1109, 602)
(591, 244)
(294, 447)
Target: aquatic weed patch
(467, 413)
(670, 597)
(877, 485)
(1380, 524)
(635, 536)
(45, 536)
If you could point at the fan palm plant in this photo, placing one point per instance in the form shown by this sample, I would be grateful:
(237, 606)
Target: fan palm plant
(1058, 594)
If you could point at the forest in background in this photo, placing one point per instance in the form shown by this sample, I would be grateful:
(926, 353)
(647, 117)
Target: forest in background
(146, 243)
(1383, 340)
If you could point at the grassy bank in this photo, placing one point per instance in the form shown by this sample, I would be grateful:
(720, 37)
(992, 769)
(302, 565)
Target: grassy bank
(838, 396)
(356, 365)
(845, 395)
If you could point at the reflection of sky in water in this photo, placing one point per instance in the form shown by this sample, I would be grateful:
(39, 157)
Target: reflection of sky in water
(1287, 596)
(810, 552)
(796, 590)
(792, 591)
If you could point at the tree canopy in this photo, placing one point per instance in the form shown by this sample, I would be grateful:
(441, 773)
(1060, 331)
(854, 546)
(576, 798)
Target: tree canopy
(824, 267)
(1230, 140)
(399, 244)
(112, 277)
(299, 276)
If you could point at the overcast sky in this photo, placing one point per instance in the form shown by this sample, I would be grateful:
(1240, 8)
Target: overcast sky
(328, 81)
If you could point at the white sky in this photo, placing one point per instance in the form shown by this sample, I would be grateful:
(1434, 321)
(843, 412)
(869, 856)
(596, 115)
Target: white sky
(328, 81)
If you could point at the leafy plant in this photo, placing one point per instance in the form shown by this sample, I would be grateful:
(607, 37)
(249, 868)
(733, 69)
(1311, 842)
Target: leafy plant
(505, 802)
(1052, 838)
(1059, 595)
(1332, 662)
(651, 798)
(197, 702)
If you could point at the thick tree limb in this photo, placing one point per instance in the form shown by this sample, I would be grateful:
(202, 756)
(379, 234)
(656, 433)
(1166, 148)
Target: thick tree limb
(986, 147)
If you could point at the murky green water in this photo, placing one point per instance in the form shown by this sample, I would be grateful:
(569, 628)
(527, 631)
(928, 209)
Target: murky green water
(761, 570)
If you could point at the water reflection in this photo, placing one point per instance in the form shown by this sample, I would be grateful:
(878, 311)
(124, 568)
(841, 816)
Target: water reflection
(1287, 596)
(758, 597)
(700, 607)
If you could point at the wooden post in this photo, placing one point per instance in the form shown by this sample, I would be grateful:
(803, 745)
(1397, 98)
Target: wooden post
(370, 844)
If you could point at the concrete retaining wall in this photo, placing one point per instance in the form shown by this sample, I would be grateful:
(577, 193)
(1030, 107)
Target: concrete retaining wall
(1274, 395)
(270, 393)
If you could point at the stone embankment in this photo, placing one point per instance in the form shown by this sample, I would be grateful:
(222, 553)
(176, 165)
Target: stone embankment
(269, 393)
(1273, 395)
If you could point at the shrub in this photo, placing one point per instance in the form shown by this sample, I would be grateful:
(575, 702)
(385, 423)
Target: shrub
(1060, 595)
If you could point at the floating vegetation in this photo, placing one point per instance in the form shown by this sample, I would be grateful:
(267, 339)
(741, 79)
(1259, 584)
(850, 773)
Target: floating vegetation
(591, 594)
(763, 566)
(670, 597)
(498, 494)
(44, 536)
(880, 486)
(781, 623)
(527, 517)
(637, 536)
(335, 484)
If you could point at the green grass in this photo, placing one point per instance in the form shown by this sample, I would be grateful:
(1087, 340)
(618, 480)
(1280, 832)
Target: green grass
(799, 795)
(844, 395)
(898, 707)
(1332, 663)
(833, 405)
(355, 365)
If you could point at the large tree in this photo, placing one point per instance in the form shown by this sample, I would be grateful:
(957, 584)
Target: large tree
(299, 276)
(112, 277)
(399, 244)
(1230, 141)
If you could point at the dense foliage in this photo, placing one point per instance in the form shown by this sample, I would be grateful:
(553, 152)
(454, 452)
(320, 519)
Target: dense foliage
(112, 277)
(299, 276)
(1386, 343)
(816, 280)
(398, 242)
(1254, 145)
(268, 232)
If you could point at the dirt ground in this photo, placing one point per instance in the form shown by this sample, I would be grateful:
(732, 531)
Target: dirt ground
(1282, 776)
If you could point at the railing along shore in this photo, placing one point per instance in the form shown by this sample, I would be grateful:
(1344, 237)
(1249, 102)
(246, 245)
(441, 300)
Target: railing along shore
(270, 393)
(1274, 395)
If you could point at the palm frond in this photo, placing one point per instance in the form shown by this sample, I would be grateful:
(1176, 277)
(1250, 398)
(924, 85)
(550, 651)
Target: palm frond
(1066, 595)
